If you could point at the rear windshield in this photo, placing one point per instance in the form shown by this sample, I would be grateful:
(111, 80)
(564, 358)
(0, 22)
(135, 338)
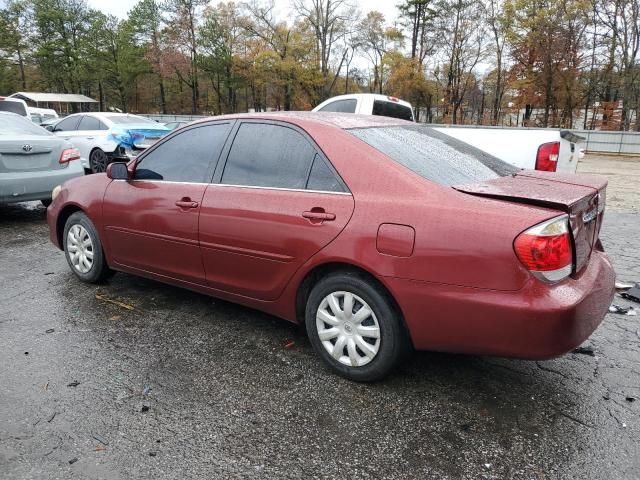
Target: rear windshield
(13, 124)
(433, 155)
(130, 120)
(13, 107)
(390, 109)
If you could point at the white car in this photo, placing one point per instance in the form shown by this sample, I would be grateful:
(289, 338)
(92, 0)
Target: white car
(368, 104)
(14, 105)
(103, 137)
(40, 115)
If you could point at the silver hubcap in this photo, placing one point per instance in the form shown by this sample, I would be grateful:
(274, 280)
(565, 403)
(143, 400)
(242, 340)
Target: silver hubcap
(348, 329)
(80, 248)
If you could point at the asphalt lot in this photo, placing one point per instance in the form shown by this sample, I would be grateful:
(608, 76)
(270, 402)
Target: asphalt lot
(134, 379)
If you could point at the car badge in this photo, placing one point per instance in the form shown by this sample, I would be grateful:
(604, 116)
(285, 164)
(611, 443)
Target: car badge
(27, 148)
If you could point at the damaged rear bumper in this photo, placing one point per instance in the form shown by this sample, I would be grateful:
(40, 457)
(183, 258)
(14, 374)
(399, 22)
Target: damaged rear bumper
(537, 322)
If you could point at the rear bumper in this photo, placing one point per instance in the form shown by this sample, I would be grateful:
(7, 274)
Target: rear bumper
(27, 186)
(537, 322)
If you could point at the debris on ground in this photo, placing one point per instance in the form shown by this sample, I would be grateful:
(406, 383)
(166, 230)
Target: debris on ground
(52, 417)
(146, 390)
(51, 330)
(100, 448)
(75, 383)
(585, 351)
(289, 343)
(622, 310)
(623, 285)
(73, 460)
(145, 408)
(153, 454)
(115, 317)
(115, 302)
(630, 399)
(99, 438)
(632, 294)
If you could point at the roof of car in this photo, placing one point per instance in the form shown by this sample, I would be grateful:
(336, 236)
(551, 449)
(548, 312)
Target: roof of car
(337, 119)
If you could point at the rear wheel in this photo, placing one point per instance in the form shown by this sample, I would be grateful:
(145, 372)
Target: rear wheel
(354, 327)
(98, 161)
(83, 249)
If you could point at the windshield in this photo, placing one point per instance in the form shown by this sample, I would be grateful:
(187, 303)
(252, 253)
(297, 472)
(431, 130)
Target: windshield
(131, 120)
(433, 155)
(14, 124)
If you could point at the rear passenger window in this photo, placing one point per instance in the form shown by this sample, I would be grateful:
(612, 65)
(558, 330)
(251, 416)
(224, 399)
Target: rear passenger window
(390, 109)
(91, 123)
(67, 124)
(265, 155)
(343, 106)
(322, 177)
(185, 157)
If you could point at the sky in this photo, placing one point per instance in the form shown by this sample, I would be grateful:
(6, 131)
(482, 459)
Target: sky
(119, 8)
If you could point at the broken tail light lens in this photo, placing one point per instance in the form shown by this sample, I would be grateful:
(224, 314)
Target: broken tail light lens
(547, 157)
(545, 249)
(68, 155)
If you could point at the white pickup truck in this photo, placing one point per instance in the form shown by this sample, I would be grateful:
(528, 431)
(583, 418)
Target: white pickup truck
(550, 150)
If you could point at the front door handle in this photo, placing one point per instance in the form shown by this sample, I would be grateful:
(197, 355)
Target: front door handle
(186, 202)
(319, 215)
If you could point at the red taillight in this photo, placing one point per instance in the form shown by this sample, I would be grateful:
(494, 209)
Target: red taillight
(68, 155)
(547, 158)
(545, 250)
(393, 99)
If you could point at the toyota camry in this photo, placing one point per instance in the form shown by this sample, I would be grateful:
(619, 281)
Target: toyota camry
(377, 234)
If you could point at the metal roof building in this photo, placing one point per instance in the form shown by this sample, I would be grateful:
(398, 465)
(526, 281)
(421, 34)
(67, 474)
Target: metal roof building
(39, 99)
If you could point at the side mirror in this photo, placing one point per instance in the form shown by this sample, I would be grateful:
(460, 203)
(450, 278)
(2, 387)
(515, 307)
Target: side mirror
(117, 171)
(49, 127)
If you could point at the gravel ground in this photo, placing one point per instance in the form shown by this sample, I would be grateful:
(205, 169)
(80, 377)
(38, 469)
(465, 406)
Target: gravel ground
(135, 379)
(623, 191)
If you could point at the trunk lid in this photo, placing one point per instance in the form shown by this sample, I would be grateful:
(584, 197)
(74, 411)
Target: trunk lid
(30, 153)
(582, 197)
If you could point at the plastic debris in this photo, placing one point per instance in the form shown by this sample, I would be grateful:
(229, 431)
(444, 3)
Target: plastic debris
(289, 343)
(622, 310)
(623, 285)
(100, 439)
(585, 351)
(51, 330)
(73, 460)
(75, 383)
(632, 294)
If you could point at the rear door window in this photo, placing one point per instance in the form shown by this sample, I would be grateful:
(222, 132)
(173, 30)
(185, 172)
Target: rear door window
(91, 123)
(433, 155)
(267, 155)
(322, 178)
(391, 109)
(66, 125)
(188, 156)
(343, 106)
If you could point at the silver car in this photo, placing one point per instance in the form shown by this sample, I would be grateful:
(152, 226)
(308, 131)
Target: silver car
(33, 161)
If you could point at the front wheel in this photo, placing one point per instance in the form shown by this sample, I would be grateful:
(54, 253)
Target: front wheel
(354, 327)
(83, 249)
(98, 161)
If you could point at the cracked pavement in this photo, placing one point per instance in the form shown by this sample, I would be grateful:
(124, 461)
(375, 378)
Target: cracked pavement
(135, 379)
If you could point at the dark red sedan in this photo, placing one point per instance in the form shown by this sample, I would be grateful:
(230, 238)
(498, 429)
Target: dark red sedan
(378, 234)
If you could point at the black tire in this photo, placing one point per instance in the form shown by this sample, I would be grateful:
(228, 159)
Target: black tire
(392, 335)
(46, 202)
(98, 161)
(99, 269)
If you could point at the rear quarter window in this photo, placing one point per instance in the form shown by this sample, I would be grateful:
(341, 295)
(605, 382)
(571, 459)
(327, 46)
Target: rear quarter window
(433, 155)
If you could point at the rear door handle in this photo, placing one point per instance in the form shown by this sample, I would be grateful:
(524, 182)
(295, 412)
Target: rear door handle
(187, 203)
(322, 216)
(90, 138)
